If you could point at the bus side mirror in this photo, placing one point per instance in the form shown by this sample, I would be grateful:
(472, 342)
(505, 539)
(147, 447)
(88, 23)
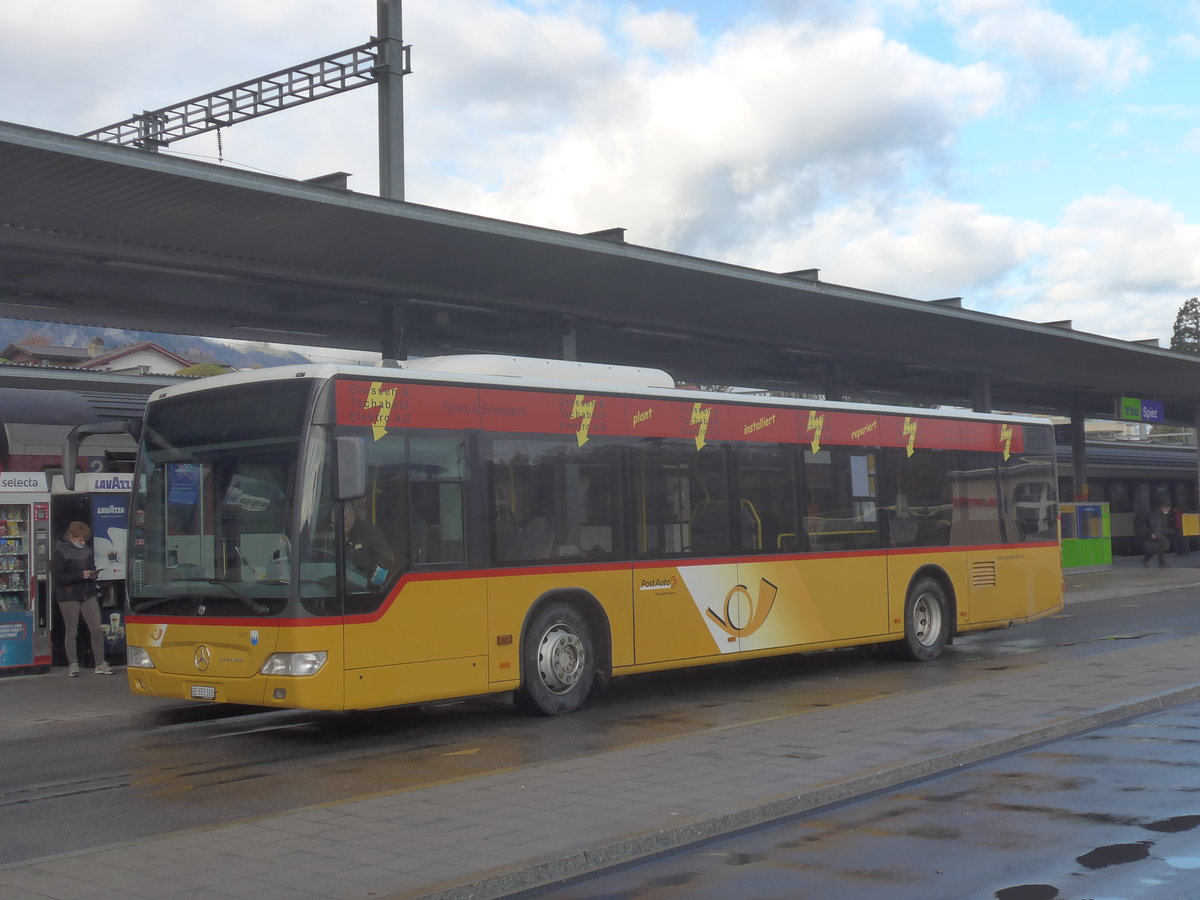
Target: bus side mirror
(350, 457)
(77, 434)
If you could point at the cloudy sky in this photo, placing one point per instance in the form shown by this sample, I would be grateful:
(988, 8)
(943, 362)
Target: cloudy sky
(1035, 157)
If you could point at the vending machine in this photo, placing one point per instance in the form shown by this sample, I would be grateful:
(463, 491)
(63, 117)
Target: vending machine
(101, 500)
(25, 614)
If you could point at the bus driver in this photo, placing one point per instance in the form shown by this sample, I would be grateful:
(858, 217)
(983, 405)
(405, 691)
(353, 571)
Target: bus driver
(367, 549)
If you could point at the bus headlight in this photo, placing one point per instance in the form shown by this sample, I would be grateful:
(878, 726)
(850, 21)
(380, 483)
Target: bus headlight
(294, 663)
(137, 658)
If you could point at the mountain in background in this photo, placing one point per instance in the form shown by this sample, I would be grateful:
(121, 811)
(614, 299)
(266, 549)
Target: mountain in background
(197, 349)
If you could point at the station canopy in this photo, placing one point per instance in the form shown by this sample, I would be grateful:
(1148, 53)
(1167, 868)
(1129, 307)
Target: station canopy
(97, 234)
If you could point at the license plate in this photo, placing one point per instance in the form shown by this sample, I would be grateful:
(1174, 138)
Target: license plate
(203, 692)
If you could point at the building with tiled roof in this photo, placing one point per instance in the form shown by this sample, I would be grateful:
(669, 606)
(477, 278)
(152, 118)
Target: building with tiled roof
(45, 355)
(144, 358)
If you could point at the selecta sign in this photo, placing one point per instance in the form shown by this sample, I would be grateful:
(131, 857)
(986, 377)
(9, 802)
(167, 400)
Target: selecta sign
(1133, 409)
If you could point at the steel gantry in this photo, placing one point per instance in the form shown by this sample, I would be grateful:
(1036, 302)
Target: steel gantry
(337, 73)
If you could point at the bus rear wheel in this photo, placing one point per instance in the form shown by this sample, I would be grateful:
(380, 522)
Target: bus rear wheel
(558, 661)
(926, 621)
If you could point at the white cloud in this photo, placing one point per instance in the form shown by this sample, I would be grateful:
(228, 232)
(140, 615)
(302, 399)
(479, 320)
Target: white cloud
(924, 247)
(1047, 42)
(1116, 264)
(694, 155)
(81, 59)
(668, 32)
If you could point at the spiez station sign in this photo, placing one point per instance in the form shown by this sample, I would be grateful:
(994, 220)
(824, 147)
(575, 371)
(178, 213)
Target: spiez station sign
(1133, 409)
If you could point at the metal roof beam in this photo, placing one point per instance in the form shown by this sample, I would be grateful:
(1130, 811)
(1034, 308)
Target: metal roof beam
(336, 73)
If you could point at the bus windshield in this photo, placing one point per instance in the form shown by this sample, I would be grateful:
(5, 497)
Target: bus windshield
(212, 505)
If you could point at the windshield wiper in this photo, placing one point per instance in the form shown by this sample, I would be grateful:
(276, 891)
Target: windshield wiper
(249, 602)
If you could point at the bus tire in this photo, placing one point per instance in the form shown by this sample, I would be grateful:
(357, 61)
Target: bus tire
(926, 620)
(558, 661)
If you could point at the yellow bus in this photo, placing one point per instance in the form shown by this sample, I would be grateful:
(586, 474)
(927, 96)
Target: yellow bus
(338, 538)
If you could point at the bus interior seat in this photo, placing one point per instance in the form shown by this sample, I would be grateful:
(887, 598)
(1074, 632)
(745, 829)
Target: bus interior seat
(537, 538)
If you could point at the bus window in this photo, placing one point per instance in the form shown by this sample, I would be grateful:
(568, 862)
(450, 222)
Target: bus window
(416, 497)
(920, 499)
(1031, 501)
(552, 499)
(840, 500)
(766, 496)
(977, 501)
(681, 499)
(437, 510)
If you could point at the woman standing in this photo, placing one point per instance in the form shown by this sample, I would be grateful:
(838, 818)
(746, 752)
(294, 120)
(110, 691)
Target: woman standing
(73, 568)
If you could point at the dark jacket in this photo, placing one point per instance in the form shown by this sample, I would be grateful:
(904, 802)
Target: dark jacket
(366, 548)
(1160, 524)
(67, 565)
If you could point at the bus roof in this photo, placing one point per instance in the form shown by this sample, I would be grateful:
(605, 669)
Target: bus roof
(557, 370)
(559, 375)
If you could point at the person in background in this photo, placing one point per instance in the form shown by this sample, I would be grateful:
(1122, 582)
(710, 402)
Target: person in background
(73, 568)
(1160, 527)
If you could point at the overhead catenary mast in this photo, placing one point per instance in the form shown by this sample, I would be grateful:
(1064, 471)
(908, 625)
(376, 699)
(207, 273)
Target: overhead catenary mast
(382, 61)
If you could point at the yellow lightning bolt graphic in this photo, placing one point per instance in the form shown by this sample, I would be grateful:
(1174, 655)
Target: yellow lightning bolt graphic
(700, 417)
(583, 410)
(816, 424)
(910, 429)
(378, 397)
(1006, 435)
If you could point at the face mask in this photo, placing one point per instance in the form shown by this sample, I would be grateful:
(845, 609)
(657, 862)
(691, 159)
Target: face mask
(76, 543)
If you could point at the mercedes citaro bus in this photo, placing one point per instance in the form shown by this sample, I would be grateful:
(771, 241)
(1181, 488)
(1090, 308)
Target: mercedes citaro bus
(541, 526)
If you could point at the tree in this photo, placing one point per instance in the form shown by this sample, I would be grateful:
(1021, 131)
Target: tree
(1186, 336)
(204, 369)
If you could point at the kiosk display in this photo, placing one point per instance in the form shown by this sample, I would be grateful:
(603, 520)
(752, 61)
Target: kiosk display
(1086, 530)
(24, 613)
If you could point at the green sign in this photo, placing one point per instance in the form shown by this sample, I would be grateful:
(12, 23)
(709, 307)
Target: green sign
(1134, 409)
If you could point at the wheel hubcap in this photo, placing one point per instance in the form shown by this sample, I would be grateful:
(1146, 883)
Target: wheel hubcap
(560, 658)
(927, 619)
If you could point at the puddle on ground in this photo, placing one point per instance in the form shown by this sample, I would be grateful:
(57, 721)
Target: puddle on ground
(1174, 824)
(1115, 855)
(671, 880)
(1028, 892)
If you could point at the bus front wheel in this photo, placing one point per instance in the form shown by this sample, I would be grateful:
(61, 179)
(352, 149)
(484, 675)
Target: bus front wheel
(558, 661)
(926, 621)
